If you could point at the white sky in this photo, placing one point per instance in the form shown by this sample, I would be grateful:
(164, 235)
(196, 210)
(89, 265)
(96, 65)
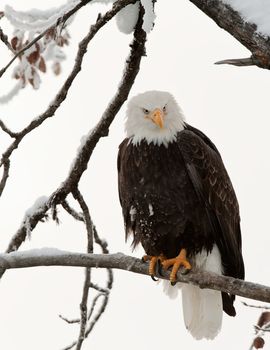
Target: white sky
(231, 105)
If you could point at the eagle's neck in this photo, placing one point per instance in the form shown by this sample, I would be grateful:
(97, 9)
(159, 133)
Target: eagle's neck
(156, 136)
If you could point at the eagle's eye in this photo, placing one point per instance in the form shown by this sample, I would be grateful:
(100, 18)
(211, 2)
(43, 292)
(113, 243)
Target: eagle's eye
(145, 111)
(164, 109)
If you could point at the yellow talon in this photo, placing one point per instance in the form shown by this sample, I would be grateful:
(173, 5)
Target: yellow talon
(176, 263)
(153, 262)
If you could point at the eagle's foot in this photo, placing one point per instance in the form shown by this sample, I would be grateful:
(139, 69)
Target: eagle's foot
(176, 263)
(153, 261)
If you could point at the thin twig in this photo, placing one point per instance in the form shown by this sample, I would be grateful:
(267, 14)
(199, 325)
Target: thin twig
(70, 346)
(89, 228)
(72, 211)
(4, 39)
(99, 289)
(76, 320)
(7, 130)
(6, 165)
(239, 62)
(256, 306)
(94, 303)
(98, 315)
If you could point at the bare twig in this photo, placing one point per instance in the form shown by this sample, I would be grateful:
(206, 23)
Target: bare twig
(89, 228)
(71, 211)
(239, 62)
(76, 320)
(99, 289)
(120, 261)
(70, 346)
(6, 165)
(7, 130)
(256, 306)
(94, 303)
(4, 39)
(98, 315)
(264, 328)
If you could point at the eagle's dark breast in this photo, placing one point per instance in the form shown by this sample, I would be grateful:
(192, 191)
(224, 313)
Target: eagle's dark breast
(160, 205)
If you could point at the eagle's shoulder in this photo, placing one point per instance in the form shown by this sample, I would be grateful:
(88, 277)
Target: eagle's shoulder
(190, 132)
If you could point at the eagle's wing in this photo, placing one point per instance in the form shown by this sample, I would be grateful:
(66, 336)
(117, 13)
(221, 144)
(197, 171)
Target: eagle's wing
(214, 188)
(125, 197)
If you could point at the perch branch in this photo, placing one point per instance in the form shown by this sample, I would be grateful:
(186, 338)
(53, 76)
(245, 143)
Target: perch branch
(41, 257)
(246, 33)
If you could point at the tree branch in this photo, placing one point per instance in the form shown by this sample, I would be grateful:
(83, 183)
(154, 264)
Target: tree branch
(245, 32)
(55, 257)
(87, 281)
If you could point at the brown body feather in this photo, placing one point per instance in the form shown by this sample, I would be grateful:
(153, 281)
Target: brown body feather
(181, 196)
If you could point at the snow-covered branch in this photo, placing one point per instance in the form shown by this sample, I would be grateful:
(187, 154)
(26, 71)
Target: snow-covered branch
(55, 257)
(244, 26)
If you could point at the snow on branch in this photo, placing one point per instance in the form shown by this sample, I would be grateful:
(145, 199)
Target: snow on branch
(37, 20)
(55, 257)
(237, 18)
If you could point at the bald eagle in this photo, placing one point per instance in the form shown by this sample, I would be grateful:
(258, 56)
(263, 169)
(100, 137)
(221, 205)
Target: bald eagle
(179, 203)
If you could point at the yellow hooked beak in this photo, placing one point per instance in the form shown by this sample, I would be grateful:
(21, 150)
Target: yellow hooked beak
(157, 117)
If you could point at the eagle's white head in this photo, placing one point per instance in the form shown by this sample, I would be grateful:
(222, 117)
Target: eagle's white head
(153, 116)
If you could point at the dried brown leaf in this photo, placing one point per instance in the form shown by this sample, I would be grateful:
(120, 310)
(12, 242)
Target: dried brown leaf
(42, 65)
(258, 343)
(33, 57)
(263, 319)
(14, 42)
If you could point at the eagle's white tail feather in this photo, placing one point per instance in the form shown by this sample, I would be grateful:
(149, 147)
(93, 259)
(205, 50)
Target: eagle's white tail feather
(202, 311)
(202, 308)
(171, 291)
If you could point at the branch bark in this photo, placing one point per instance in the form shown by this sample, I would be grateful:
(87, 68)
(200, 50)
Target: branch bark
(245, 32)
(54, 257)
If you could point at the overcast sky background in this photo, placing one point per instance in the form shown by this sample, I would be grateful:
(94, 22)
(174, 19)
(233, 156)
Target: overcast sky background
(231, 105)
